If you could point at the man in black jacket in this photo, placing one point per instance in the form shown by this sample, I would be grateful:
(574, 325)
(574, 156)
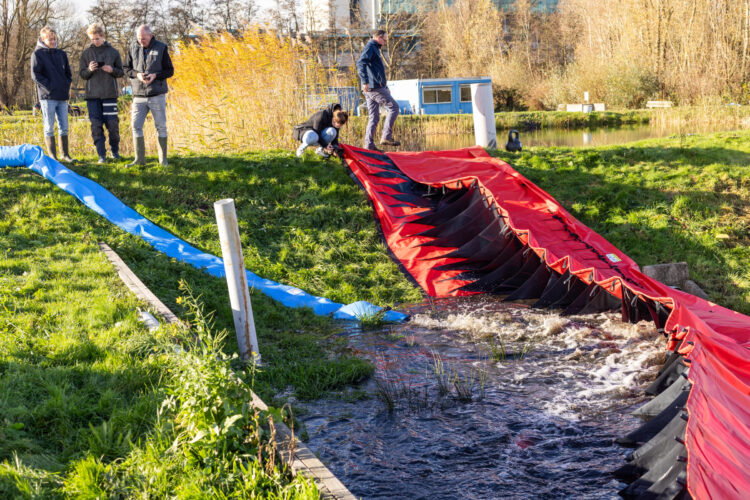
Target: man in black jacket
(321, 129)
(101, 66)
(50, 71)
(148, 65)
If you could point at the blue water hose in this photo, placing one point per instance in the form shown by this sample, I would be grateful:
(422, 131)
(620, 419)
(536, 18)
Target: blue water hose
(111, 208)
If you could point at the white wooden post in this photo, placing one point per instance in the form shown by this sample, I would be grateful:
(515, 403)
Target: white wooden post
(483, 109)
(234, 267)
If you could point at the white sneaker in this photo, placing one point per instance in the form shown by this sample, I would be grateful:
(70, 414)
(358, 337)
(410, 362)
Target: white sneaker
(301, 150)
(322, 152)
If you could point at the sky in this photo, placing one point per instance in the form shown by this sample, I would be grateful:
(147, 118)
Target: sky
(81, 7)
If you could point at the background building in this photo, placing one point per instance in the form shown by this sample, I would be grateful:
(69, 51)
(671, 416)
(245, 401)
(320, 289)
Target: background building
(341, 15)
(435, 96)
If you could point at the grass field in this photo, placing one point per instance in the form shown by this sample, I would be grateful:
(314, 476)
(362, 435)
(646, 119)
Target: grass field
(92, 404)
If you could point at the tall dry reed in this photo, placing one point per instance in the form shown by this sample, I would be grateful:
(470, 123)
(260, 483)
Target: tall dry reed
(237, 93)
(27, 129)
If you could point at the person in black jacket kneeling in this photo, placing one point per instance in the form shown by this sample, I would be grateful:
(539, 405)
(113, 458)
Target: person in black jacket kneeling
(322, 130)
(101, 66)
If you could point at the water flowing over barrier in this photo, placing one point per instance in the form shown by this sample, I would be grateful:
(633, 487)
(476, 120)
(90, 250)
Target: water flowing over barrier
(111, 208)
(461, 222)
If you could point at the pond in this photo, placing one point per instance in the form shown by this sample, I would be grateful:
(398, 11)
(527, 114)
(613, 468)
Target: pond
(548, 137)
(476, 398)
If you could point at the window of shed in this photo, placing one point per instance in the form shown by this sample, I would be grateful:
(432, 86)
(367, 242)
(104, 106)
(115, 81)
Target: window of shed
(465, 93)
(437, 95)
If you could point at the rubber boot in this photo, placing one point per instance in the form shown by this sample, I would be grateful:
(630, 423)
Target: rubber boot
(51, 147)
(139, 145)
(162, 147)
(64, 147)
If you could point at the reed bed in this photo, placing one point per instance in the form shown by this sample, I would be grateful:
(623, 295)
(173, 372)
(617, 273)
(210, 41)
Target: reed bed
(704, 117)
(239, 93)
(27, 129)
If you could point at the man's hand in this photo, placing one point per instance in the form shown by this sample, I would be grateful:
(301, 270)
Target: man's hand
(366, 87)
(107, 68)
(93, 66)
(146, 78)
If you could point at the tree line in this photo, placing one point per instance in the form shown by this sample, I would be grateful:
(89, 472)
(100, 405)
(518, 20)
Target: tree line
(623, 53)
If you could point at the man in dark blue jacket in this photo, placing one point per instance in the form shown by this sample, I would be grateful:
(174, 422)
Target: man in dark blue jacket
(50, 71)
(372, 74)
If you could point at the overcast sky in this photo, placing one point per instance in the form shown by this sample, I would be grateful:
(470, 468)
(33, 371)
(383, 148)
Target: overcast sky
(81, 7)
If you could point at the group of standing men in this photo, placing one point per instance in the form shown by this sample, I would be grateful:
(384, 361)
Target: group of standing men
(148, 66)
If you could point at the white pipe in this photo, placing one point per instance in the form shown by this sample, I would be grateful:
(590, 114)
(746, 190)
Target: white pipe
(234, 267)
(484, 115)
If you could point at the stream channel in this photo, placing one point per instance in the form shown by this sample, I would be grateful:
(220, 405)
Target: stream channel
(572, 138)
(476, 398)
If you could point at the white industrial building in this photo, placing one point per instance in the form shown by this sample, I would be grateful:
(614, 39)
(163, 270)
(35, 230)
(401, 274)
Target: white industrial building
(338, 16)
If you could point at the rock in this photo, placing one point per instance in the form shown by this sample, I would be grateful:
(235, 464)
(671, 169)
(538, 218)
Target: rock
(672, 274)
(692, 287)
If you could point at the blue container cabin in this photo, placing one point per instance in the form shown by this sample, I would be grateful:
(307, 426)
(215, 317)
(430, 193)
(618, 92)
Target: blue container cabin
(435, 96)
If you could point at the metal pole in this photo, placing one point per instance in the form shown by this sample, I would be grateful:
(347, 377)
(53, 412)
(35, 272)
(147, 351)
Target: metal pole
(484, 115)
(234, 267)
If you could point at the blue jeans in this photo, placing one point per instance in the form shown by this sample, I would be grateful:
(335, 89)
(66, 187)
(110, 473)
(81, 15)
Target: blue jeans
(141, 106)
(310, 138)
(54, 109)
(375, 99)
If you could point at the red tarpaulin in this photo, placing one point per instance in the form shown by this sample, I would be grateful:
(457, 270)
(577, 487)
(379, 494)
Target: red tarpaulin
(450, 219)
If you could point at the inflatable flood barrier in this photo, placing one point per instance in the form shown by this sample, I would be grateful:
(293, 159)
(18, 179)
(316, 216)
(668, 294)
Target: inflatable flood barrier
(462, 222)
(111, 208)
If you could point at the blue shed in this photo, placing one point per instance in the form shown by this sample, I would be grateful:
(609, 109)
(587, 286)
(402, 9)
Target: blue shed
(435, 96)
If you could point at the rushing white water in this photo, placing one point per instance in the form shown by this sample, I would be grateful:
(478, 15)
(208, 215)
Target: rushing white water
(475, 398)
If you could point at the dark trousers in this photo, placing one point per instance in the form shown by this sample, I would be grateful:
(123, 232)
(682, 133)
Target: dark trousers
(375, 99)
(104, 112)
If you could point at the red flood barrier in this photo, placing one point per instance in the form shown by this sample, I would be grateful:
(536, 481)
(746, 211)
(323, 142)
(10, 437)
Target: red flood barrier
(462, 222)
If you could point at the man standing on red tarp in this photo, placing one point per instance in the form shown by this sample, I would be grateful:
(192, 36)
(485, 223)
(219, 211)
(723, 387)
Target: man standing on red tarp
(372, 73)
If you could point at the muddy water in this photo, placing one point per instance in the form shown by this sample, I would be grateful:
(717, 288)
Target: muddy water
(475, 398)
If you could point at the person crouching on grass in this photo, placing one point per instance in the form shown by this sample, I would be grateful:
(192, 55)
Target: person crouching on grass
(322, 130)
(101, 66)
(50, 71)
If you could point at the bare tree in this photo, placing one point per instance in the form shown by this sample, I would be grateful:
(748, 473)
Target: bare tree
(20, 22)
(404, 29)
(231, 15)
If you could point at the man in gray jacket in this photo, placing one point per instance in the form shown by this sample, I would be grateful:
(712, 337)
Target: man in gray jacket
(100, 67)
(148, 65)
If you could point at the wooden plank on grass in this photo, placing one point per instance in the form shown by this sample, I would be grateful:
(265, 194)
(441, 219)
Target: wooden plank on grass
(304, 462)
(136, 285)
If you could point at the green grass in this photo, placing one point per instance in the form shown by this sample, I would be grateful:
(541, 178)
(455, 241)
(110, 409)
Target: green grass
(662, 200)
(83, 386)
(79, 378)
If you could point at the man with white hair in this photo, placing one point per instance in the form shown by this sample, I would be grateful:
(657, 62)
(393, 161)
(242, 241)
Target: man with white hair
(148, 65)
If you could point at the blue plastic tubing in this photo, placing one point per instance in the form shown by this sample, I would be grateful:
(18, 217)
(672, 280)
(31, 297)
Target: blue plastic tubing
(111, 208)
